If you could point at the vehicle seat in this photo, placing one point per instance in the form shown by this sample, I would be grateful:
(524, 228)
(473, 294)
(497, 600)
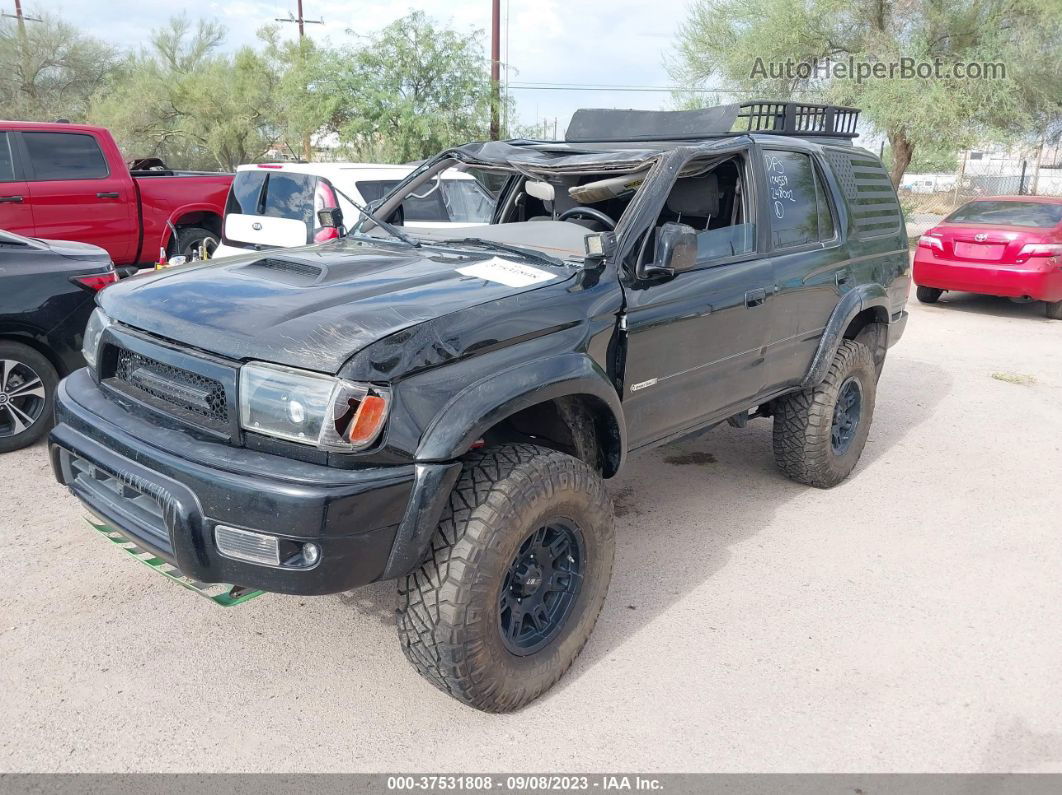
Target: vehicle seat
(695, 200)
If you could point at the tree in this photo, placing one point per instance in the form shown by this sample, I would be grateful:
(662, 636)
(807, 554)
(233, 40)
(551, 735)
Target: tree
(184, 101)
(50, 70)
(306, 94)
(738, 42)
(401, 94)
(411, 90)
(928, 159)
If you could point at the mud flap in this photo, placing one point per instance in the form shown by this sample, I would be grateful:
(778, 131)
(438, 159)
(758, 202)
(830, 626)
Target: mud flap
(219, 593)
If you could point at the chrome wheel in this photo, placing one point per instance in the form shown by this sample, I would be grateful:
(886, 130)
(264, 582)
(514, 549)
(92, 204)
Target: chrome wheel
(22, 397)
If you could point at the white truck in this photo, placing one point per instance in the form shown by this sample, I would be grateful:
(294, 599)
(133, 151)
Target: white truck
(275, 205)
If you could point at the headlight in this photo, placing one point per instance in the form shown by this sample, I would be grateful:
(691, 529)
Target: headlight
(310, 408)
(90, 343)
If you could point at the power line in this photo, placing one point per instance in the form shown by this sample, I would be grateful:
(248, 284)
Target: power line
(621, 88)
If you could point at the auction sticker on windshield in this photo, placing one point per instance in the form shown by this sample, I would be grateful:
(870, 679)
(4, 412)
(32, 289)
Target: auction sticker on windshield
(507, 272)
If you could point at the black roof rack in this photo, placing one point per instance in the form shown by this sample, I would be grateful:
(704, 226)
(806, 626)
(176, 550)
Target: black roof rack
(758, 116)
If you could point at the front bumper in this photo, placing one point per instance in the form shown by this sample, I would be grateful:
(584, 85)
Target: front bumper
(1042, 283)
(166, 490)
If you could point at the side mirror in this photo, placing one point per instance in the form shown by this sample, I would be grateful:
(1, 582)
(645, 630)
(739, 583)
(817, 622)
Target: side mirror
(330, 218)
(675, 251)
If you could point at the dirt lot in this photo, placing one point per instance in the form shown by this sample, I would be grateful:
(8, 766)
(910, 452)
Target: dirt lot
(908, 620)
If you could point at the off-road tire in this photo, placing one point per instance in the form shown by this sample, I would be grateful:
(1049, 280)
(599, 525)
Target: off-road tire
(928, 295)
(448, 615)
(188, 239)
(1053, 310)
(16, 351)
(803, 421)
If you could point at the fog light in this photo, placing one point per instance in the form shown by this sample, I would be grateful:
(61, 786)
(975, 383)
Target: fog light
(311, 553)
(246, 545)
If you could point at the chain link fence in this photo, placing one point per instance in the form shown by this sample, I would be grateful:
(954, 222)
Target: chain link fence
(927, 198)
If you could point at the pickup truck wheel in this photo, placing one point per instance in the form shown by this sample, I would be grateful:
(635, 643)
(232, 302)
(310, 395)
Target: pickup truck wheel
(928, 295)
(518, 572)
(1054, 310)
(27, 396)
(188, 240)
(819, 433)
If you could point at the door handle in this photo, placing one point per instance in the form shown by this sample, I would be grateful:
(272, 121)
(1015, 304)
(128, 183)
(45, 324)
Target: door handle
(840, 277)
(107, 195)
(755, 297)
(11, 199)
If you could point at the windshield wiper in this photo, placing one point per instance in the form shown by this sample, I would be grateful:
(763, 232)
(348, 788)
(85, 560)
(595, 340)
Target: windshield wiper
(529, 253)
(394, 231)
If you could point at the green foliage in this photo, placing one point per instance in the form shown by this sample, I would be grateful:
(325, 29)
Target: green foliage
(721, 41)
(928, 160)
(400, 94)
(412, 89)
(185, 102)
(52, 72)
(306, 97)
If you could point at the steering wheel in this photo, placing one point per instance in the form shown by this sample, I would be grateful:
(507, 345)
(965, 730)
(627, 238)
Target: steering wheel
(587, 212)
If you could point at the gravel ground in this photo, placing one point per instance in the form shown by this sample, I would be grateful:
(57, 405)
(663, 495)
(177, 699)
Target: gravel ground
(907, 620)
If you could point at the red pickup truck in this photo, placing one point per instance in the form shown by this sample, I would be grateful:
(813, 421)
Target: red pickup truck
(69, 182)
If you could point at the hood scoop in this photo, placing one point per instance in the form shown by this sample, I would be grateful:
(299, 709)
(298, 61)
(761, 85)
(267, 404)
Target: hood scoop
(285, 271)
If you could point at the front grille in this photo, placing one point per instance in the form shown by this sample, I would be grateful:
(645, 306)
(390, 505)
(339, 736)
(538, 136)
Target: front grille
(187, 395)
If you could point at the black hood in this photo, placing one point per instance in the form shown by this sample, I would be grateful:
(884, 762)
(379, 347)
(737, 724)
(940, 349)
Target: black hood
(313, 307)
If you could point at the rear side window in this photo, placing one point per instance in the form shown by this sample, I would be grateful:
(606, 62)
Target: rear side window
(426, 205)
(64, 156)
(1036, 214)
(374, 190)
(7, 163)
(873, 207)
(799, 210)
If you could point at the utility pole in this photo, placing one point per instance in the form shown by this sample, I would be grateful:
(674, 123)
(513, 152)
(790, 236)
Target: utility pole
(23, 44)
(21, 19)
(307, 146)
(301, 20)
(495, 69)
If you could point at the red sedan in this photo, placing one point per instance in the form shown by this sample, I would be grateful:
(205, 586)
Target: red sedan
(1004, 245)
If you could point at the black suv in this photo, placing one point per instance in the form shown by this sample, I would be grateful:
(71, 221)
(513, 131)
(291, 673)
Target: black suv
(441, 406)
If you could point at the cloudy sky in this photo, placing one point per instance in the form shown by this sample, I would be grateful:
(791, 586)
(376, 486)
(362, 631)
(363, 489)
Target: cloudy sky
(587, 42)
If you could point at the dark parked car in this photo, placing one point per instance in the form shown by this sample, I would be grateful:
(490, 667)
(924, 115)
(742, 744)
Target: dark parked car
(440, 406)
(46, 292)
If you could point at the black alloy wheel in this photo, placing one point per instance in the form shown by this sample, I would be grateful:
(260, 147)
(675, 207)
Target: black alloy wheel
(846, 414)
(540, 587)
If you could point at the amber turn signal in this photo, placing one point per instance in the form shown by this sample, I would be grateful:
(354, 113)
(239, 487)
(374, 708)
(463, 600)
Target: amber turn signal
(367, 420)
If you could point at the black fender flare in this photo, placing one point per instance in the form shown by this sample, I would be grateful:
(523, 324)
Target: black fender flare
(475, 409)
(851, 304)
